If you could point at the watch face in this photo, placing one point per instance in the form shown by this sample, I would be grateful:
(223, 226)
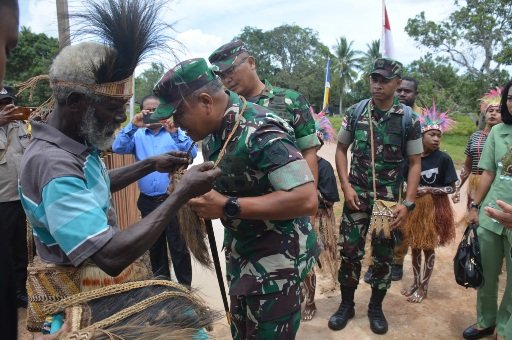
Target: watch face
(232, 209)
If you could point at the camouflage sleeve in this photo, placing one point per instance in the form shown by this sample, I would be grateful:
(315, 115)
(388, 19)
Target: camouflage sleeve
(345, 135)
(414, 143)
(273, 151)
(303, 122)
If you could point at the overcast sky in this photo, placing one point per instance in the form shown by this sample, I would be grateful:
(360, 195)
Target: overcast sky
(204, 25)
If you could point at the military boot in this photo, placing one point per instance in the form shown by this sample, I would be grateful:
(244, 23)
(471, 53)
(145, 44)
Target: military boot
(345, 311)
(378, 322)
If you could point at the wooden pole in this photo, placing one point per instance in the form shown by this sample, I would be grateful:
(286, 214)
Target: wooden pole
(63, 23)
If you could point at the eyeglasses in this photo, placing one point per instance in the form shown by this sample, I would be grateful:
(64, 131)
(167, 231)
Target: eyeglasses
(229, 72)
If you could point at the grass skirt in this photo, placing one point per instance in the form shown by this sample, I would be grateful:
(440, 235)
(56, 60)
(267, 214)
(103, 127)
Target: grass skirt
(431, 224)
(327, 234)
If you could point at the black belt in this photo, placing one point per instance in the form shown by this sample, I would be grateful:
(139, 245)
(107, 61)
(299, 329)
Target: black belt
(159, 198)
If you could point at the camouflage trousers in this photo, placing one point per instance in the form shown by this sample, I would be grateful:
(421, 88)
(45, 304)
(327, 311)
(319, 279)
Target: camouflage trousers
(269, 316)
(353, 229)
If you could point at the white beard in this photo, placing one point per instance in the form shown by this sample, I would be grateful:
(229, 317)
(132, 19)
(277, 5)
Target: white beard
(95, 133)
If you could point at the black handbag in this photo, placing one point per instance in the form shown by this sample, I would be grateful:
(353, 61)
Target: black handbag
(467, 264)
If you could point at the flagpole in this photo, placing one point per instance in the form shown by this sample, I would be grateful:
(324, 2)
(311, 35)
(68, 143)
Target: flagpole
(386, 42)
(327, 89)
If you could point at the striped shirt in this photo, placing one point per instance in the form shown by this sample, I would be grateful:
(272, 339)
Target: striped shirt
(65, 190)
(474, 150)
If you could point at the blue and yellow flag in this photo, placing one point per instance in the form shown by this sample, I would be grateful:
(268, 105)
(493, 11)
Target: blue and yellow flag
(325, 106)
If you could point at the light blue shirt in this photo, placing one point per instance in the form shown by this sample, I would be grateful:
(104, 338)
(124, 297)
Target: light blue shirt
(144, 143)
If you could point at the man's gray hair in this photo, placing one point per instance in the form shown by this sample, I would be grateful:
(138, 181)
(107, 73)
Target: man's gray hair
(75, 64)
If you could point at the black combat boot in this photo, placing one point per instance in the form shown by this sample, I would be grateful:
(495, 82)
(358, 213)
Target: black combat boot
(345, 311)
(378, 322)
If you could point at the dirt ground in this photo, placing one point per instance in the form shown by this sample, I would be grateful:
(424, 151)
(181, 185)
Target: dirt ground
(444, 314)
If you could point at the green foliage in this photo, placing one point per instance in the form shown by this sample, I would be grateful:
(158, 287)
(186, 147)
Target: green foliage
(344, 67)
(476, 36)
(145, 82)
(289, 56)
(440, 81)
(32, 57)
(336, 122)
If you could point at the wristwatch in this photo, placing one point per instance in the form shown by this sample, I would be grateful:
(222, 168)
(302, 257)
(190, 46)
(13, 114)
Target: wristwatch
(232, 208)
(409, 205)
(474, 205)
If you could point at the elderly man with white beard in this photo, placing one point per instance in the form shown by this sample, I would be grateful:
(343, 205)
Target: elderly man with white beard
(64, 186)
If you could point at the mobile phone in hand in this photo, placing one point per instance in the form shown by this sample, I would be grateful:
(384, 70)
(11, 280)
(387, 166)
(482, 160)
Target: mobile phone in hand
(147, 118)
(24, 111)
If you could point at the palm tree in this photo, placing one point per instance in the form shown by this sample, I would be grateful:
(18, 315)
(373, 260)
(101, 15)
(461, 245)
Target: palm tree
(369, 57)
(345, 65)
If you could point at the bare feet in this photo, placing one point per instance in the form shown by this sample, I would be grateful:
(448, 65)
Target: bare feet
(309, 311)
(418, 295)
(409, 291)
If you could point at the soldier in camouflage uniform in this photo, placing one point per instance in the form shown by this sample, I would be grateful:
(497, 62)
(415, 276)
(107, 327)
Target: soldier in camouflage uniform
(264, 187)
(237, 70)
(387, 114)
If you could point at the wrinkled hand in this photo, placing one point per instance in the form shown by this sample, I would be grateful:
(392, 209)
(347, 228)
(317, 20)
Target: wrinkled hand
(503, 217)
(456, 197)
(7, 115)
(473, 216)
(401, 213)
(209, 205)
(351, 198)
(169, 162)
(198, 179)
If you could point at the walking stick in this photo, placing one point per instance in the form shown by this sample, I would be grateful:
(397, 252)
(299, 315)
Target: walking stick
(216, 263)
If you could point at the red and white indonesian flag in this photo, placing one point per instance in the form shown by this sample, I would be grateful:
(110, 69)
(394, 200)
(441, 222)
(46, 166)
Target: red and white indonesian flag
(386, 41)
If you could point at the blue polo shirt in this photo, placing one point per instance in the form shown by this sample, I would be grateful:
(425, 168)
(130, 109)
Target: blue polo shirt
(144, 143)
(64, 188)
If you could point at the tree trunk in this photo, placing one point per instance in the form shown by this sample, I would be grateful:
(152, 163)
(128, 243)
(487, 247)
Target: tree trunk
(63, 23)
(342, 85)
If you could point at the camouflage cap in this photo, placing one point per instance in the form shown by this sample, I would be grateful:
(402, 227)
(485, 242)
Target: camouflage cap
(225, 56)
(179, 82)
(388, 68)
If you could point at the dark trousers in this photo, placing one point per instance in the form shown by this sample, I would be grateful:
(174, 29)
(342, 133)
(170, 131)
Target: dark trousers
(13, 228)
(8, 312)
(180, 255)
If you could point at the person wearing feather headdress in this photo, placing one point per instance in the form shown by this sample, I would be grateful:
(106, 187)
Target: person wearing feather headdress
(64, 186)
(490, 107)
(324, 222)
(431, 224)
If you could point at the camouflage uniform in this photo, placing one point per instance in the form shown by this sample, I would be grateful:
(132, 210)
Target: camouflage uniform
(287, 104)
(388, 163)
(294, 109)
(267, 258)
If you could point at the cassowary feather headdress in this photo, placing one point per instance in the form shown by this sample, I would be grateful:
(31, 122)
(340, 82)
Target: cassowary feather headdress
(128, 31)
(324, 130)
(491, 98)
(430, 119)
